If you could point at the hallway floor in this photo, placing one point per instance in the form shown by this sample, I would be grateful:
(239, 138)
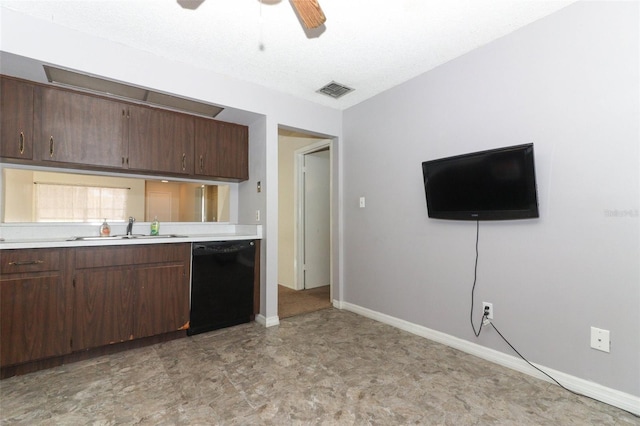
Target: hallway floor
(296, 302)
(328, 367)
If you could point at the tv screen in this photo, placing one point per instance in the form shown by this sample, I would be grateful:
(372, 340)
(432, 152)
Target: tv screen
(498, 184)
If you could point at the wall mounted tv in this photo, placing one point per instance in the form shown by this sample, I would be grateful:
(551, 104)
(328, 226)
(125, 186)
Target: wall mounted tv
(498, 184)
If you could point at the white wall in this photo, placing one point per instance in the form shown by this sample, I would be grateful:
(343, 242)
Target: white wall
(569, 83)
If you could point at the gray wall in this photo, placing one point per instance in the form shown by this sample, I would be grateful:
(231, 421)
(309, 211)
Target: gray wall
(569, 84)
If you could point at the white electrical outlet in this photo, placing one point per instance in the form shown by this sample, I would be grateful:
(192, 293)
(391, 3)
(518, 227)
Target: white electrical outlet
(488, 305)
(257, 215)
(600, 339)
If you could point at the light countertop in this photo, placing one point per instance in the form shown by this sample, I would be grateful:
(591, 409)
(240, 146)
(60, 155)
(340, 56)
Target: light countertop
(26, 236)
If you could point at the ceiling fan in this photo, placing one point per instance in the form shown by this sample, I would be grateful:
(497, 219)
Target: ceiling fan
(309, 11)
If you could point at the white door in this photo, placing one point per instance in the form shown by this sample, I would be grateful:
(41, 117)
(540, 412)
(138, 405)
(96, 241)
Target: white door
(316, 193)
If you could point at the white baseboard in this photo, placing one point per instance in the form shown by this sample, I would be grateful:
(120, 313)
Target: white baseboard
(267, 322)
(601, 393)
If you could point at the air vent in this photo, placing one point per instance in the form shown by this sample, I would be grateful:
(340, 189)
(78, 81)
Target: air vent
(101, 86)
(335, 90)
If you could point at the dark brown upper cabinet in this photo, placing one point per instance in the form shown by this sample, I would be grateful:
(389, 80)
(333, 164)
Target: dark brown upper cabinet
(77, 130)
(160, 141)
(221, 150)
(81, 129)
(16, 119)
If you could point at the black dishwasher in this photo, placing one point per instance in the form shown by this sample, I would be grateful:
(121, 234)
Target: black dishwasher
(221, 284)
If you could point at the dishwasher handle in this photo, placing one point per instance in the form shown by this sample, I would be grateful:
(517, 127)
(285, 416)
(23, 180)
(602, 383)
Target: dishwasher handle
(222, 246)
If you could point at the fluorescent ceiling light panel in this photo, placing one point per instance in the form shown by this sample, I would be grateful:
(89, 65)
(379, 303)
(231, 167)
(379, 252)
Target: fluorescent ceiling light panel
(102, 86)
(73, 79)
(183, 104)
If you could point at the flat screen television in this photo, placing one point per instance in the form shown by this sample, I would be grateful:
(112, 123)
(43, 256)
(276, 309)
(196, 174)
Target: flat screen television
(497, 184)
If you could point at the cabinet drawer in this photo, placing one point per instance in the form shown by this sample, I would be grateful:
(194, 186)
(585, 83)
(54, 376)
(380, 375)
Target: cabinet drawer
(101, 257)
(33, 260)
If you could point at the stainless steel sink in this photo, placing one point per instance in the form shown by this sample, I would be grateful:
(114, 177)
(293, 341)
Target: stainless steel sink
(125, 237)
(156, 236)
(94, 238)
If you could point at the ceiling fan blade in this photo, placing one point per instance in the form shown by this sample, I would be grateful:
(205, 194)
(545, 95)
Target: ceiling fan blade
(310, 13)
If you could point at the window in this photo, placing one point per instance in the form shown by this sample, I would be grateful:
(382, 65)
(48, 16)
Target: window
(78, 203)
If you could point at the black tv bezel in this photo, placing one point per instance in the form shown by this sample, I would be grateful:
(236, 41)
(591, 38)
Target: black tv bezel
(531, 212)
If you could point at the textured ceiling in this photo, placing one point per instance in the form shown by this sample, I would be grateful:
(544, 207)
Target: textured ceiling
(369, 45)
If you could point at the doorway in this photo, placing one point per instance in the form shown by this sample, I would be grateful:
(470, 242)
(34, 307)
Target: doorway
(313, 208)
(304, 211)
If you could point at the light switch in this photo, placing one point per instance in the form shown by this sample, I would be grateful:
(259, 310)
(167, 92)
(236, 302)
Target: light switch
(362, 202)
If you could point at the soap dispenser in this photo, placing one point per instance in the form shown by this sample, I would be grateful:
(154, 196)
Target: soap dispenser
(105, 229)
(155, 226)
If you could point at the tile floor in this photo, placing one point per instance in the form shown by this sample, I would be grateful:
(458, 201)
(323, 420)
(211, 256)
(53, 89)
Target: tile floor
(328, 367)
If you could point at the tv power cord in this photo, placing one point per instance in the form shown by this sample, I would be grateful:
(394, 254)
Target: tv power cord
(473, 289)
(486, 321)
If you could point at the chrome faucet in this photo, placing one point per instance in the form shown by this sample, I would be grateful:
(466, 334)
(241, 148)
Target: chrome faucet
(130, 225)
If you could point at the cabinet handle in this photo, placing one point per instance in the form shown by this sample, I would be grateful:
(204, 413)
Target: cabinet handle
(28, 262)
(184, 162)
(51, 147)
(21, 145)
(201, 164)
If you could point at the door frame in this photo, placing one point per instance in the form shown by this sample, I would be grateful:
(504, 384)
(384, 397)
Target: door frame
(298, 202)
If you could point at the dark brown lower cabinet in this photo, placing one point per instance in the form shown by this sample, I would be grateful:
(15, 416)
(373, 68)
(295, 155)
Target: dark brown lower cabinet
(103, 307)
(129, 292)
(62, 305)
(56, 302)
(34, 305)
(161, 295)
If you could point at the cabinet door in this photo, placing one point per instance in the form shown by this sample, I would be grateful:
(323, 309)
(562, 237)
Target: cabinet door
(16, 115)
(160, 141)
(161, 299)
(33, 318)
(81, 129)
(222, 150)
(206, 160)
(234, 152)
(103, 307)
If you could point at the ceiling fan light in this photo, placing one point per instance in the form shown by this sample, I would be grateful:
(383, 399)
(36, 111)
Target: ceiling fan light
(190, 4)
